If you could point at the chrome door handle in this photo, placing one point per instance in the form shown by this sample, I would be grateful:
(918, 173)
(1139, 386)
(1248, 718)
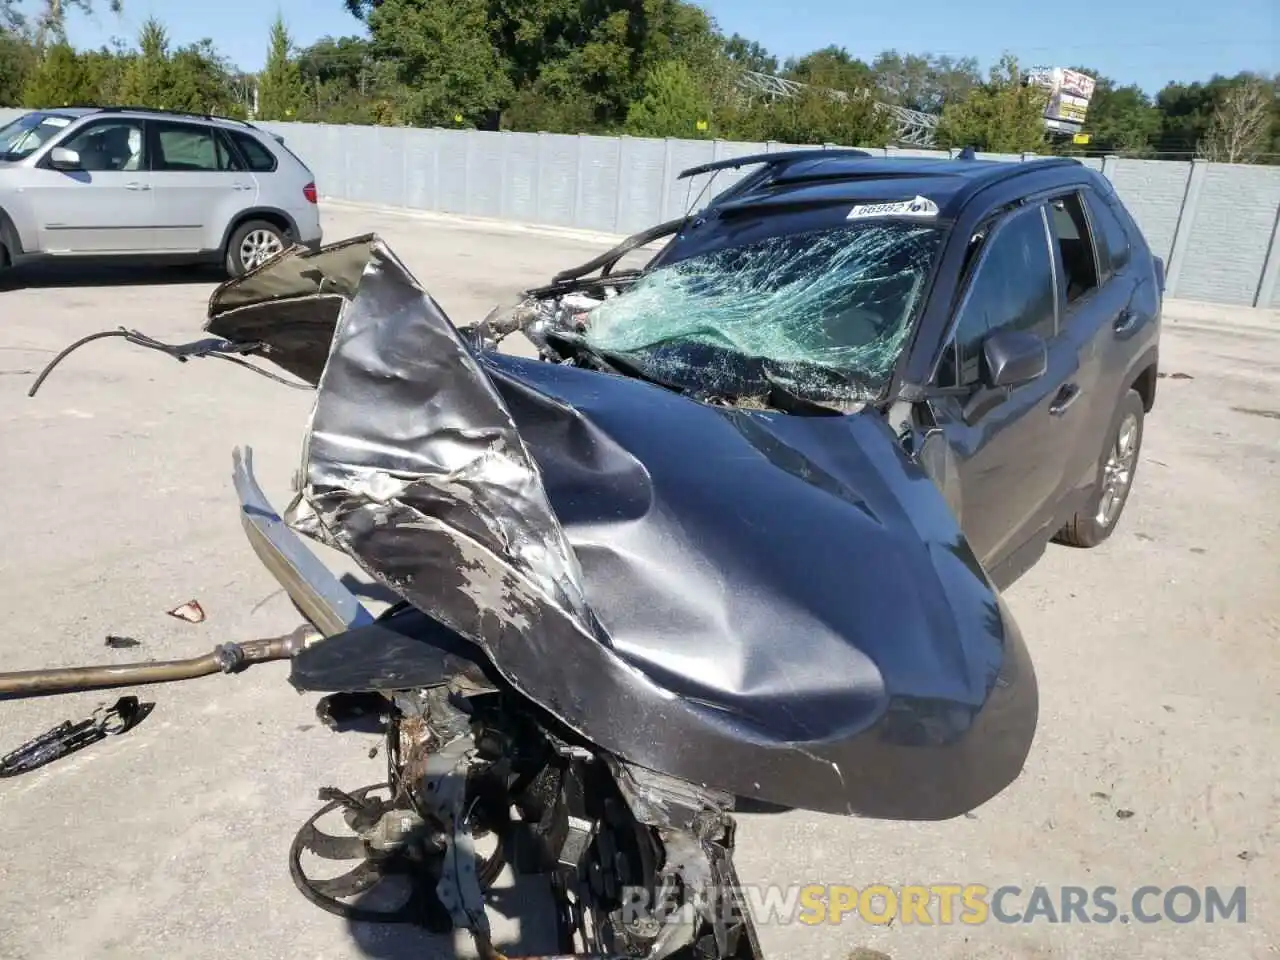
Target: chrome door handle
(1126, 319)
(135, 185)
(1065, 398)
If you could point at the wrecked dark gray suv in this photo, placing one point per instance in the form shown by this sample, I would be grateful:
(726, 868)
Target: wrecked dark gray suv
(736, 536)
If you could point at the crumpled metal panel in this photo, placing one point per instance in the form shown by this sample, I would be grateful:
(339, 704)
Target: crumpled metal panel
(778, 606)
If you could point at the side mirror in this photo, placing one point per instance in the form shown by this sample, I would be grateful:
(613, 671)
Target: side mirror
(60, 158)
(1014, 357)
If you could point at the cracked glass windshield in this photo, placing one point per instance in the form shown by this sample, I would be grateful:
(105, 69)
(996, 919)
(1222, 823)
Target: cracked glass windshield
(824, 314)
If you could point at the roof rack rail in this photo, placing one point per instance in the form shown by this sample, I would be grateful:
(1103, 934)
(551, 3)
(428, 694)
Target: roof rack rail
(771, 159)
(123, 108)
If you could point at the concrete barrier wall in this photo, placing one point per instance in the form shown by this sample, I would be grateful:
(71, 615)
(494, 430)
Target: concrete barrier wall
(1215, 224)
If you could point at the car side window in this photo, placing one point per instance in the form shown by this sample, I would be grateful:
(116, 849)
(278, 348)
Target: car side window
(1075, 246)
(1112, 240)
(190, 148)
(110, 145)
(259, 158)
(1012, 289)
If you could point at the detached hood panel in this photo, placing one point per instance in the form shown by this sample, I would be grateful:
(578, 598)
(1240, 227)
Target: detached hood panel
(778, 606)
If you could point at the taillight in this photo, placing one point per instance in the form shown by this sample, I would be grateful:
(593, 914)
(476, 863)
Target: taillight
(309, 191)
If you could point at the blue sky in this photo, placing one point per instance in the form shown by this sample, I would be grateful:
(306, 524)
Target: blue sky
(1148, 42)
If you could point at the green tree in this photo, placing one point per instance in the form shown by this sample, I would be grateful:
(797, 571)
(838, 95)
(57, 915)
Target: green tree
(673, 105)
(17, 60)
(200, 81)
(536, 64)
(280, 92)
(814, 116)
(1003, 115)
(106, 68)
(1242, 122)
(749, 55)
(59, 79)
(928, 83)
(447, 62)
(146, 79)
(833, 68)
(1185, 112)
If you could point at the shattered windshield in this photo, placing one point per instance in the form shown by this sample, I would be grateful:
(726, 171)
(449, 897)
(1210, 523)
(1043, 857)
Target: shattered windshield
(826, 312)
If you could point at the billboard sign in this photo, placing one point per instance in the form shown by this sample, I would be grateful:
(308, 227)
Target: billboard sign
(1069, 95)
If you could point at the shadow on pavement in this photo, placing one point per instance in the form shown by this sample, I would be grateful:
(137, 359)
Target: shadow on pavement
(98, 274)
(521, 917)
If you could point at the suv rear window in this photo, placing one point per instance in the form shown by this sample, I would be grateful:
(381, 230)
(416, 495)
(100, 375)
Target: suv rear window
(259, 158)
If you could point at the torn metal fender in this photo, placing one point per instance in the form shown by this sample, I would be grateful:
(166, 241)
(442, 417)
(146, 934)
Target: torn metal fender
(782, 607)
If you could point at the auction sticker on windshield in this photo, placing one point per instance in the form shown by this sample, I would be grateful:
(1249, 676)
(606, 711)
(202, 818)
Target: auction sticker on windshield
(919, 207)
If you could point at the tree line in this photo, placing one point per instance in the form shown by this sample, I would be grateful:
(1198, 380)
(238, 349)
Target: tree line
(643, 67)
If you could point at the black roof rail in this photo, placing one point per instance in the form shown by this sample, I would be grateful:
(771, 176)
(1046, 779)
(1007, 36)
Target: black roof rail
(126, 108)
(771, 159)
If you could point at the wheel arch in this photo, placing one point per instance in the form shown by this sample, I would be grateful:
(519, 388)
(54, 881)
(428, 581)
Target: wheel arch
(1143, 378)
(10, 242)
(272, 215)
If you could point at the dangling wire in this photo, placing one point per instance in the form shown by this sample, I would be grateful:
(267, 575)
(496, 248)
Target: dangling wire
(182, 352)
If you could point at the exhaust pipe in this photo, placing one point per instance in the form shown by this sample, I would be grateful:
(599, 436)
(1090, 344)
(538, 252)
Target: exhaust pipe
(224, 658)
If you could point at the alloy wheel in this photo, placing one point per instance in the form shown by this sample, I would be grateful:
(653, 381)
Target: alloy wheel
(259, 246)
(1117, 472)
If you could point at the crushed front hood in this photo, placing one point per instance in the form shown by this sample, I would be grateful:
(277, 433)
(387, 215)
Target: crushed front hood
(778, 606)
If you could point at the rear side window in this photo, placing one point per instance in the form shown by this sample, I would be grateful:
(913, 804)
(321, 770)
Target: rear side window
(1109, 234)
(259, 158)
(1012, 289)
(1075, 249)
(184, 147)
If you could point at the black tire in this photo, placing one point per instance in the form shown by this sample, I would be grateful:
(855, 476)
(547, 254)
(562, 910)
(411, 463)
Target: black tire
(1090, 526)
(8, 281)
(235, 261)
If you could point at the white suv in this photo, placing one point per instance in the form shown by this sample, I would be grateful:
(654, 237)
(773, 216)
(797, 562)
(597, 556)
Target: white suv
(136, 182)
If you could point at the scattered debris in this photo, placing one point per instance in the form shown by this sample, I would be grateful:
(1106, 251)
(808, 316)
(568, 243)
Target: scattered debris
(1244, 855)
(121, 643)
(1253, 412)
(68, 737)
(1199, 550)
(1143, 536)
(1167, 708)
(373, 752)
(191, 611)
(866, 953)
(1099, 795)
(1123, 814)
(1175, 376)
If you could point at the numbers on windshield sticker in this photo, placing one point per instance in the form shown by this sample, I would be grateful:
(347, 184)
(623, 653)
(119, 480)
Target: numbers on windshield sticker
(919, 207)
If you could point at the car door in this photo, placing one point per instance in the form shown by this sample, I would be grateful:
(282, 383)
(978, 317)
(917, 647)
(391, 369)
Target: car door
(1089, 306)
(199, 185)
(102, 207)
(1006, 441)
